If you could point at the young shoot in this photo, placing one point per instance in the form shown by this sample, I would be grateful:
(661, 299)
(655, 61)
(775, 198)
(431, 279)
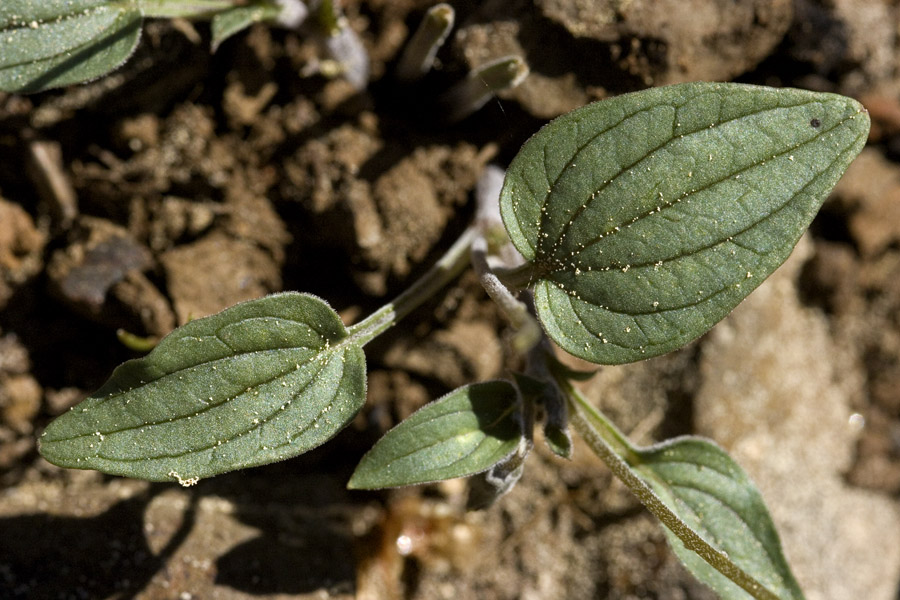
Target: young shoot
(636, 220)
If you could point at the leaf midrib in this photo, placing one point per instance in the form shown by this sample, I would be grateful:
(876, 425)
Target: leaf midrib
(202, 410)
(115, 24)
(574, 160)
(694, 303)
(673, 203)
(261, 422)
(481, 442)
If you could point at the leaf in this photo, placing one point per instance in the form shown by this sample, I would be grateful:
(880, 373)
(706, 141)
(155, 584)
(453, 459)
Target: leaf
(543, 393)
(715, 497)
(52, 43)
(650, 216)
(463, 433)
(713, 513)
(234, 20)
(185, 9)
(261, 381)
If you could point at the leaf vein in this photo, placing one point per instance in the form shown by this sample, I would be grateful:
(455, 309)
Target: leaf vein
(625, 168)
(673, 203)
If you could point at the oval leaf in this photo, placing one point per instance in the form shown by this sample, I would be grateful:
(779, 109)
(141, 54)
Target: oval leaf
(710, 492)
(463, 433)
(261, 381)
(650, 216)
(52, 43)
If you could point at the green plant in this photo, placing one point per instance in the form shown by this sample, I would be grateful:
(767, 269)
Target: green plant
(53, 43)
(639, 222)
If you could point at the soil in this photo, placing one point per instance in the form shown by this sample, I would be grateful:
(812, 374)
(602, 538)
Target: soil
(185, 182)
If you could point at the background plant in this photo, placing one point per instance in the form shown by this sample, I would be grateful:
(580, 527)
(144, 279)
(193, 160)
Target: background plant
(57, 43)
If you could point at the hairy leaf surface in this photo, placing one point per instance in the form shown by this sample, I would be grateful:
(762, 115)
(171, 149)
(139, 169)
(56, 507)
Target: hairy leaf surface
(650, 216)
(715, 497)
(259, 382)
(713, 513)
(52, 43)
(463, 433)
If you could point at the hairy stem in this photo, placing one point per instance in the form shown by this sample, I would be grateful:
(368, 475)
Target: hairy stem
(528, 331)
(446, 269)
(620, 456)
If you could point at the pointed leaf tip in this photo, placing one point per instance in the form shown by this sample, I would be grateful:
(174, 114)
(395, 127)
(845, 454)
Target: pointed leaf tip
(651, 215)
(463, 433)
(261, 381)
(714, 496)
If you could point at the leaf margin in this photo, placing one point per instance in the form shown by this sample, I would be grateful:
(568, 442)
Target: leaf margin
(593, 331)
(373, 470)
(73, 441)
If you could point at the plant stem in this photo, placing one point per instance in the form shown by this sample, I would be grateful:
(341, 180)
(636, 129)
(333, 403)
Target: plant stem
(447, 268)
(473, 92)
(418, 56)
(528, 332)
(620, 456)
(188, 9)
(519, 277)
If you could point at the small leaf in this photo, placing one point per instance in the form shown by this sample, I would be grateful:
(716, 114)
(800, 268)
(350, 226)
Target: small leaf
(547, 395)
(715, 497)
(261, 381)
(715, 518)
(234, 20)
(558, 440)
(52, 43)
(650, 216)
(463, 433)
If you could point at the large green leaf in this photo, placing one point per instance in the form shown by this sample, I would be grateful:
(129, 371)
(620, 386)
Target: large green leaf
(463, 433)
(715, 518)
(715, 497)
(52, 43)
(259, 382)
(650, 216)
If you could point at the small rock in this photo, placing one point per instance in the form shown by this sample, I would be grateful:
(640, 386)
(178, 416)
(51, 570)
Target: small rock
(101, 255)
(20, 402)
(216, 272)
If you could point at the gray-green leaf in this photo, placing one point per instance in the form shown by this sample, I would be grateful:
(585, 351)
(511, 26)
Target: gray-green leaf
(52, 43)
(650, 216)
(715, 518)
(234, 20)
(262, 381)
(713, 495)
(463, 433)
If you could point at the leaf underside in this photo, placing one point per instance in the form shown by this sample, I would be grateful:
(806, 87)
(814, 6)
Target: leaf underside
(262, 381)
(463, 433)
(713, 495)
(651, 215)
(52, 43)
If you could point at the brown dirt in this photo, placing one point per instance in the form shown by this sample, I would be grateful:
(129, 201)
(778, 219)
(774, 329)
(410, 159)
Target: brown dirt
(185, 182)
